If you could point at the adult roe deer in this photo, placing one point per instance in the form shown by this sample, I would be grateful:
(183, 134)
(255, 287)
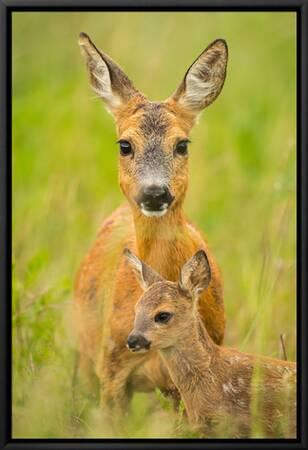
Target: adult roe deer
(153, 173)
(214, 381)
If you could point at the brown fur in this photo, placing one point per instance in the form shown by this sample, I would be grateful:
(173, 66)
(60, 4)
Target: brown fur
(217, 384)
(106, 289)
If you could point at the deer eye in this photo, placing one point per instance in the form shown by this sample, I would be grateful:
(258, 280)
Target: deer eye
(162, 317)
(125, 148)
(181, 148)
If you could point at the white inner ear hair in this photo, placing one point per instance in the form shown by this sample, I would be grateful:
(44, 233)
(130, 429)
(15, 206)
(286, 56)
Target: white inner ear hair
(197, 89)
(102, 85)
(134, 260)
(137, 267)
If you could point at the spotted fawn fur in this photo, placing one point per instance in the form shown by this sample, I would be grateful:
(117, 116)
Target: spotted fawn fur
(217, 384)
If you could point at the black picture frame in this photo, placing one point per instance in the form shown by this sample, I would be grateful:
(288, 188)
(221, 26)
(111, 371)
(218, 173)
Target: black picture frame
(7, 8)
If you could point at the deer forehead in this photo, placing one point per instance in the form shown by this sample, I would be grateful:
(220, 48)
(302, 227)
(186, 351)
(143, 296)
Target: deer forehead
(157, 296)
(162, 297)
(152, 120)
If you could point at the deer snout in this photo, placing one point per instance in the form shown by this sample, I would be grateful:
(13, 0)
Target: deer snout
(138, 343)
(154, 200)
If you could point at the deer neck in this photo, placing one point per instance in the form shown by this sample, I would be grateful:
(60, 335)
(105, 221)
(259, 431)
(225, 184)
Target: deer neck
(190, 364)
(163, 242)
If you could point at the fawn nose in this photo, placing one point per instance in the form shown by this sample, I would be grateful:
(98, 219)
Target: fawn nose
(137, 342)
(155, 198)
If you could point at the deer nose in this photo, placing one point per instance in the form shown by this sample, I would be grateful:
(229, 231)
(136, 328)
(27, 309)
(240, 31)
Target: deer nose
(155, 197)
(154, 191)
(137, 342)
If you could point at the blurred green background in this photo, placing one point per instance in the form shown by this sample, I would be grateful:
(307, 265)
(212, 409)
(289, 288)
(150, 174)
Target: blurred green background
(241, 192)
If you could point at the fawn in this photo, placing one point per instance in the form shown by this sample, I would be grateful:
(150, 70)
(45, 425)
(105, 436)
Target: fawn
(214, 382)
(153, 174)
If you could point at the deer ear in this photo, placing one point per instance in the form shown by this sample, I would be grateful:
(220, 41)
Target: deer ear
(144, 273)
(204, 79)
(196, 274)
(106, 77)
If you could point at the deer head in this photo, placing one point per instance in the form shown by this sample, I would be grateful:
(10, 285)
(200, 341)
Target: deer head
(154, 136)
(166, 310)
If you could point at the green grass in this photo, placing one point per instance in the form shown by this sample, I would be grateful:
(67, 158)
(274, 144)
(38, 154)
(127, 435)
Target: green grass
(241, 191)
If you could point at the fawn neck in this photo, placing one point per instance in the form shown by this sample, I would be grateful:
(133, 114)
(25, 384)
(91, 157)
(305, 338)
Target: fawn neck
(161, 240)
(189, 363)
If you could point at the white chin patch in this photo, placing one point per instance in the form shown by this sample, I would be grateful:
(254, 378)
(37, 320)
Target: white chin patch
(142, 350)
(160, 213)
(153, 213)
(137, 349)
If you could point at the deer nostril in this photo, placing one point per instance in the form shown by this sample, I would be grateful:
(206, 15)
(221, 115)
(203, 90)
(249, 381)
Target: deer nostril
(138, 342)
(132, 341)
(154, 198)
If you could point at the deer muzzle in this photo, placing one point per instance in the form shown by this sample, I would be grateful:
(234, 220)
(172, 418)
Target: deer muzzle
(154, 200)
(138, 343)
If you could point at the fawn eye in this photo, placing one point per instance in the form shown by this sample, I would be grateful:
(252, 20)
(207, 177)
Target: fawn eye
(181, 148)
(125, 148)
(162, 317)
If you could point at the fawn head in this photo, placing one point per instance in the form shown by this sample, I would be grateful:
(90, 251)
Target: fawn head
(154, 136)
(166, 310)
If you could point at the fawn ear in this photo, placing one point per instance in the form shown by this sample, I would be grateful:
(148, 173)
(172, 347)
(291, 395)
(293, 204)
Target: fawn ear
(204, 79)
(106, 77)
(196, 274)
(144, 273)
